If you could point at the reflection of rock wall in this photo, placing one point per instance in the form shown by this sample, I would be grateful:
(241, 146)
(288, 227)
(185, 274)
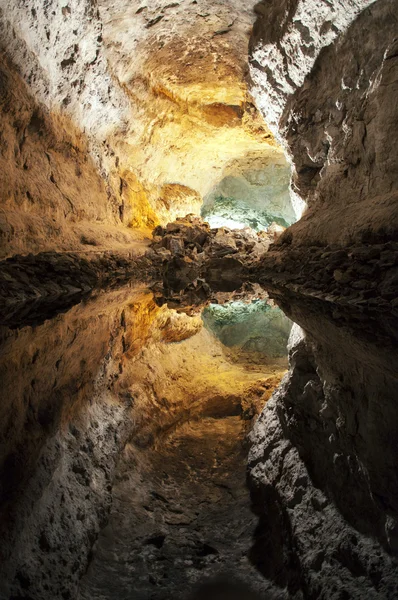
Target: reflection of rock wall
(257, 328)
(113, 369)
(327, 440)
(323, 462)
(61, 431)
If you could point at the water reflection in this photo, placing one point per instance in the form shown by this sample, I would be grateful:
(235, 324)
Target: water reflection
(123, 428)
(257, 331)
(118, 401)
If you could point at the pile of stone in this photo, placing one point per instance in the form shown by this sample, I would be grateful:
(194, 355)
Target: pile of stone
(362, 275)
(197, 261)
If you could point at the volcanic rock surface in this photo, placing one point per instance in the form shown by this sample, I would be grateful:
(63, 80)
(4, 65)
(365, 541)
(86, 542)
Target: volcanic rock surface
(123, 419)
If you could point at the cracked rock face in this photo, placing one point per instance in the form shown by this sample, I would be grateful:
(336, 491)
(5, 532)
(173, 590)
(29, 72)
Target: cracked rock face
(52, 194)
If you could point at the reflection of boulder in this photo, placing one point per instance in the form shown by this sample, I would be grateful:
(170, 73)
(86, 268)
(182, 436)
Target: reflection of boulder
(197, 261)
(225, 274)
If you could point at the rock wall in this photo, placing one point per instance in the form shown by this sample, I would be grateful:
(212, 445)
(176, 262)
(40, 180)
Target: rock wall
(257, 331)
(254, 192)
(333, 103)
(62, 429)
(52, 196)
(323, 461)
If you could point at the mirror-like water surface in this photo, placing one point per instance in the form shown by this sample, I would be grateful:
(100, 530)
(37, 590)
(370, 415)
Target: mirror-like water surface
(125, 462)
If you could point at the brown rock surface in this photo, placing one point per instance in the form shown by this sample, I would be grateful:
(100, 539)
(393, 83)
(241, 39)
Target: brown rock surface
(52, 196)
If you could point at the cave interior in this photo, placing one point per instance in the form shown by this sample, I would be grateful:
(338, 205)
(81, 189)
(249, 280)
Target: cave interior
(198, 300)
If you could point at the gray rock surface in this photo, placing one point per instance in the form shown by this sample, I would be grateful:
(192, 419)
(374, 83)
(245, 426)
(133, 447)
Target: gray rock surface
(191, 519)
(338, 116)
(322, 464)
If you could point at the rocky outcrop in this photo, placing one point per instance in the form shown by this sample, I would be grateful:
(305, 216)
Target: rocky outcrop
(52, 196)
(177, 531)
(197, 262)
(256, 330)
(62, 430)
(93, 141)
(363, 275)
(254, 192)
(335, 110)
(322, 462)
(38, 286)
(287, 39)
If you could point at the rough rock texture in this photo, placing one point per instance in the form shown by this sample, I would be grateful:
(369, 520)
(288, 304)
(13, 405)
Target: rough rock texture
(180, 482)
(363, 275)
(62, 429)
(197, 261)
(38, 286)
(157, 95)
(177, 531)
(338, 119)
(322, 465)
(257, 329)
(52, 196)
(254, 194)
(287, 38)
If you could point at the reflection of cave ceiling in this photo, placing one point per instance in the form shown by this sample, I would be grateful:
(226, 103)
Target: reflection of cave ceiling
(256, 328)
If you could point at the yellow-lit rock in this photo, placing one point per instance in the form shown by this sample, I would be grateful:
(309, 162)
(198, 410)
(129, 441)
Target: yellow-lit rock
(157, 95)
(191, 116)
